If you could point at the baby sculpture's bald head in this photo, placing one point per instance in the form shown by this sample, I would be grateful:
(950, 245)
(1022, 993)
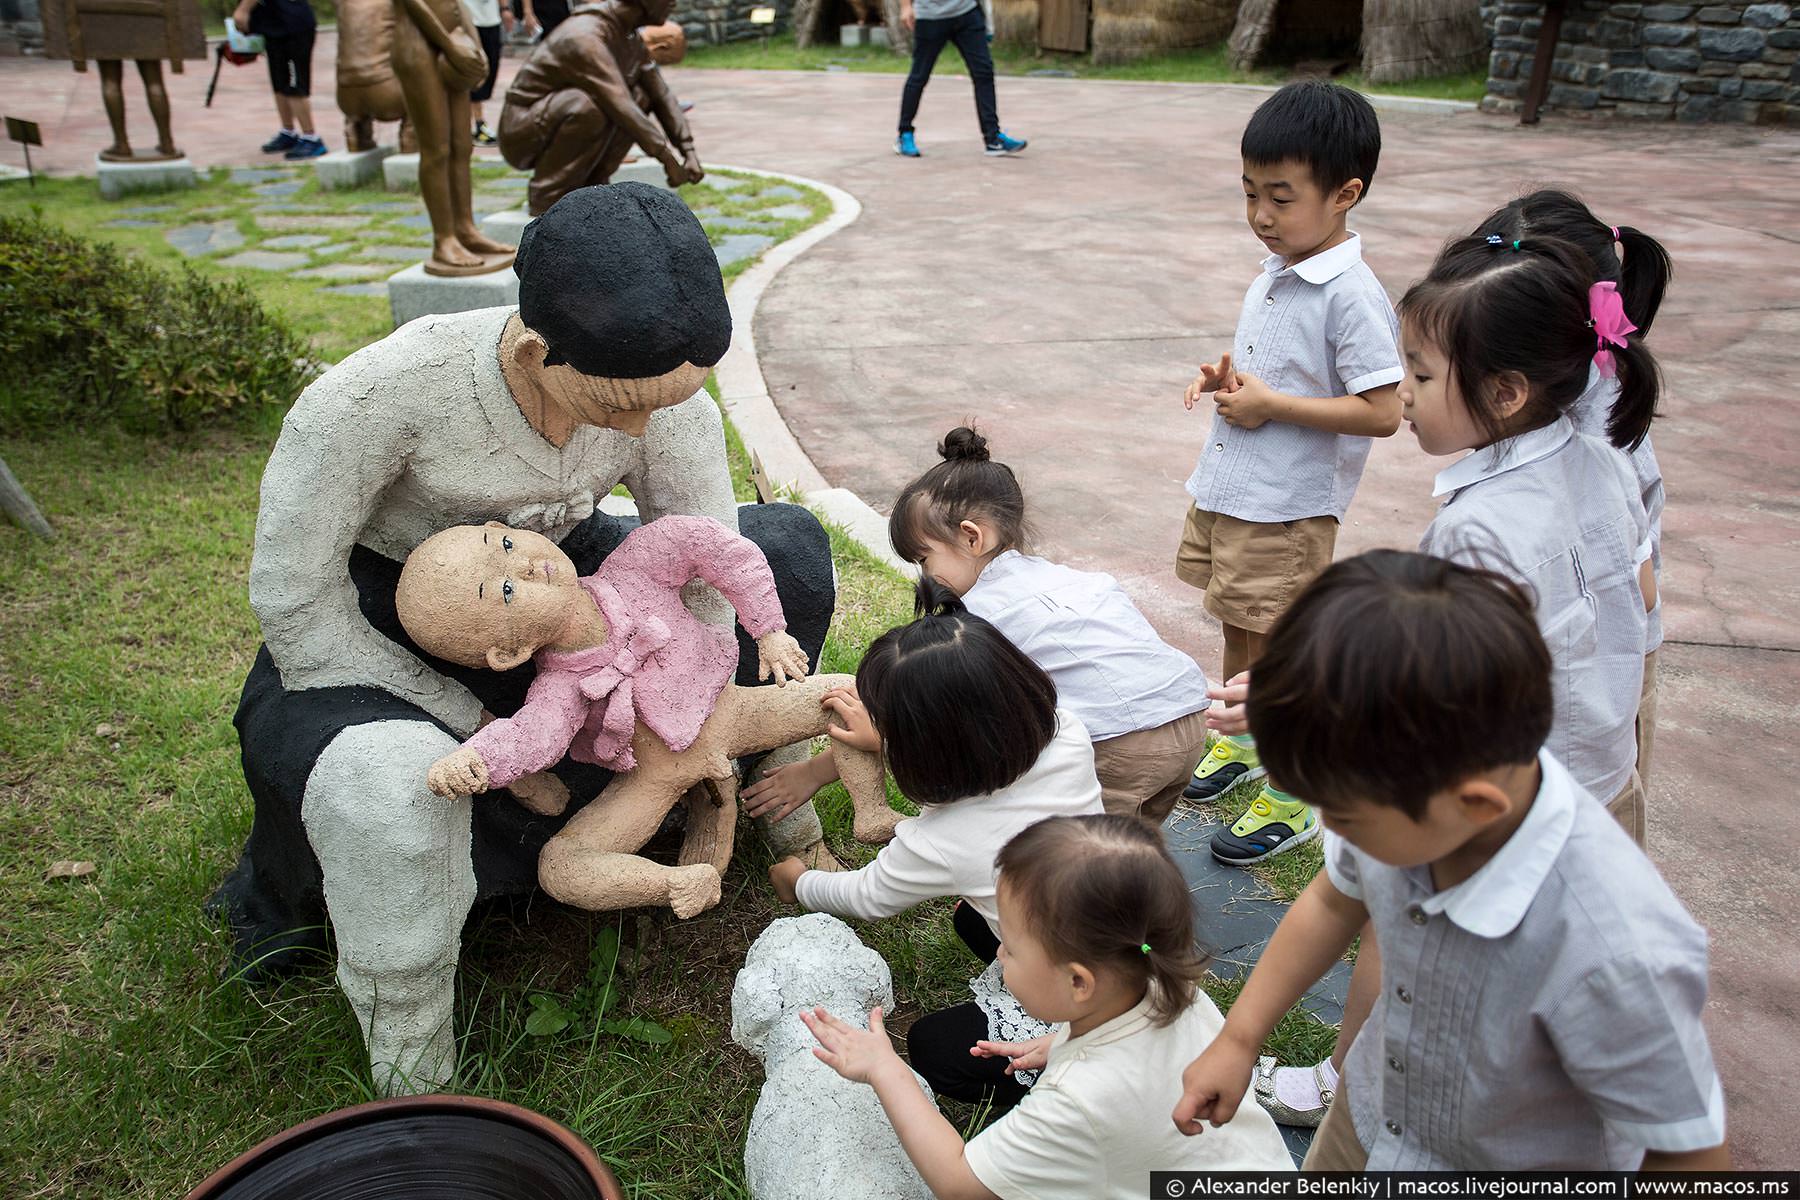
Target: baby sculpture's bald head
(487, 595)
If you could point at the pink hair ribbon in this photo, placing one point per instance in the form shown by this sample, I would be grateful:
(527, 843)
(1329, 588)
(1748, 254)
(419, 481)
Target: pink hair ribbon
(1607, 316)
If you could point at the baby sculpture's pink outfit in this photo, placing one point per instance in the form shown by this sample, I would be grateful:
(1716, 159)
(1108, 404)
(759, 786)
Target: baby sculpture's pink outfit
(660, 664)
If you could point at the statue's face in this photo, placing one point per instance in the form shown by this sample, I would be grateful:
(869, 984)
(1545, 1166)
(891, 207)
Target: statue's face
(623, 404)
(474, 592)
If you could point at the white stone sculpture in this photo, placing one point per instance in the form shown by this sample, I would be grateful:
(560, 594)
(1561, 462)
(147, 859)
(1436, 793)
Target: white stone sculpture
(815, 1135)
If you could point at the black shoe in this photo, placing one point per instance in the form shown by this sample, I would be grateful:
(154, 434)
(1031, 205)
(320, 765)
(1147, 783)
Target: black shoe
(281, 143)
(483, 137)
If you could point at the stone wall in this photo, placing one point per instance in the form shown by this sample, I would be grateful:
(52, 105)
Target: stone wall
(1687, 62)
(715, 22)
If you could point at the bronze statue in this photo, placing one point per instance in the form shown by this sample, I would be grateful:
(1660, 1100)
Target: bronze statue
(587, 94)
(111, 31)
(437, 58)
(367, 90)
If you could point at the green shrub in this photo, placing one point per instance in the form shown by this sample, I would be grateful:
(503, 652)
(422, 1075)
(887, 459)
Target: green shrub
(93, 334)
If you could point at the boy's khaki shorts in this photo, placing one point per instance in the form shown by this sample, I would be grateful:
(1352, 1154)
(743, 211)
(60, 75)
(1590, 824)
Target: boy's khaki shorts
(1252, 570)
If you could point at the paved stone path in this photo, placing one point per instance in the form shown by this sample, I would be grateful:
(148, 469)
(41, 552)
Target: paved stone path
(1063, 298)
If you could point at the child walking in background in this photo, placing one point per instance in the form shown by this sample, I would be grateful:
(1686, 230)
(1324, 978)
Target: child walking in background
(932, 23)
(1640, 267)
(1500, 339)
(1143, 701)
(1099, 942)
(973, 736)
(1309, 381)
(1542, 1005)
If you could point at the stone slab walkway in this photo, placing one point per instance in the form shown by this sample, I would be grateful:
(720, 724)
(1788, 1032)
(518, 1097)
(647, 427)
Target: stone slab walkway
(1064, 297)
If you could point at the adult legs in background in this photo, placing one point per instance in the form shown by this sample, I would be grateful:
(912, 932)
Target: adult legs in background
(969, 32)
(929, 36)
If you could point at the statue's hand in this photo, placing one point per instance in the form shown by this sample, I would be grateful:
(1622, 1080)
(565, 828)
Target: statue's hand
(691, 160)
(542, 793)
(780, 655)
(462, 65)
(459, 773)
(675, 171)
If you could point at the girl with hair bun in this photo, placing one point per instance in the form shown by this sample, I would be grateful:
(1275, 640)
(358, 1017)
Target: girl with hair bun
(1143, 701)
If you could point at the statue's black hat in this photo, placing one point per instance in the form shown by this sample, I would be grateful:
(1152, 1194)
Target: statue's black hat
(620, 281)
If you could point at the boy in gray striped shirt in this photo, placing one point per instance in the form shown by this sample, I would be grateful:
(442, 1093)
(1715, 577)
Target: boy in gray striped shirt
(1288, 443)
(1542, 987)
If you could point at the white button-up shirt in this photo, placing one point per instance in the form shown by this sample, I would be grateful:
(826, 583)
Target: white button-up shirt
(1543, 1013)
(1322, 327)
(1109, 666)
(1559, 512)
(1589, 414)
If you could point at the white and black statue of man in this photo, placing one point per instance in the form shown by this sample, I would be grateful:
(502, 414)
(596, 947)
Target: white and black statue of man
(526, 416)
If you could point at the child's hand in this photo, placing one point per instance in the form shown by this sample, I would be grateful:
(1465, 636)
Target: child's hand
(858, 731)
(1213, 377)
(459, 773)
(1248, 405)
(1233, 718)
(856, 1054)
(784, 876)
(780, 655)
(1213, 1086)
(1024, 1056)
(782, 790)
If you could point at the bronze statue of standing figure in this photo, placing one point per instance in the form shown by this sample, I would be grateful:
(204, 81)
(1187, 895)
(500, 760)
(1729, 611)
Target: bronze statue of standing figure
(111, 31)
(437, 57)
(367, 89)
(587, 94)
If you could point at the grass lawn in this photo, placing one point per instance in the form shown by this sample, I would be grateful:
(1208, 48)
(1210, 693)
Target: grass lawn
(1204, 64)
(129, 1067)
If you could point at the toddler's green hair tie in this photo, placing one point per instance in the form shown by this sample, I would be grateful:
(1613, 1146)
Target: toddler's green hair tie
(1145, 947)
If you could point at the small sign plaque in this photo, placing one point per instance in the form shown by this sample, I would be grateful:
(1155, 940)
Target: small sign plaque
(23, 131)
(762, 16)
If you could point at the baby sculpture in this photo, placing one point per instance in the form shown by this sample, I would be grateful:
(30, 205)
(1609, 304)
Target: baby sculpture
(814, 1134)
(629, 680)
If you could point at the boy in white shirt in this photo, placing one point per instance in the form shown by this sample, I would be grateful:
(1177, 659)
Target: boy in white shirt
(1309, 381)
(1541, 986)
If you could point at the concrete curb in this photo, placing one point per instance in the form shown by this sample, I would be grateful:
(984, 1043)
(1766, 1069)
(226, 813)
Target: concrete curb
(745, 393)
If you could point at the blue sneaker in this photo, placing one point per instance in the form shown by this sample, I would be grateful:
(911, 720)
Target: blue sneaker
(306, 146)
(1006, 145)
(281, 143)
(906, 146)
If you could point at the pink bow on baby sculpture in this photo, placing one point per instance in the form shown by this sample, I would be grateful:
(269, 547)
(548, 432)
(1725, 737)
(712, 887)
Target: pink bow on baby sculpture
(1606, 313)
(612, 747)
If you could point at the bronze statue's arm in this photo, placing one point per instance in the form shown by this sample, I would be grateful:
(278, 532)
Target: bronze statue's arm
(434, 29)
(666, 107)
(606, 84)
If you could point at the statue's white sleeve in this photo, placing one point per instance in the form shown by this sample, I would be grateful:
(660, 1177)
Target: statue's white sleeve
(330, 466)
(679, 469)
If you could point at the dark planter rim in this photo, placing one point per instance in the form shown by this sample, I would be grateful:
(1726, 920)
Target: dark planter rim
(362, 1114)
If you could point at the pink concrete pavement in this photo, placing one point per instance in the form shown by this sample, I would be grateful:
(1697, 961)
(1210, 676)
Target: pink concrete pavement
(1063, 298)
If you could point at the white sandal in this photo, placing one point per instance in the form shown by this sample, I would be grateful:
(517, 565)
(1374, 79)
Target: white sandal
(1303, 1118)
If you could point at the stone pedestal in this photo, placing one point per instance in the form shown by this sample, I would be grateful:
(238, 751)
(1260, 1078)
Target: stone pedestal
(413, 294)
(400, 172)
(853, 35)
(353, 168)
(124, 178)
(508, 226)
(878, 36)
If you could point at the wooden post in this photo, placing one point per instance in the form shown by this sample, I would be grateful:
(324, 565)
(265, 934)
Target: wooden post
(1548, 31)
(18, 505)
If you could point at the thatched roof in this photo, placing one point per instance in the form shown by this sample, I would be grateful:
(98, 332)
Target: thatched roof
(1399, 39)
